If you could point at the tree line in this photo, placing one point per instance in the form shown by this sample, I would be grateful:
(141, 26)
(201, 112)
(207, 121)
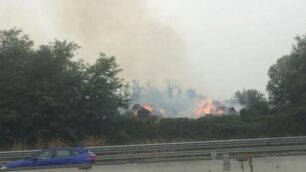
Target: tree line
(46, 94)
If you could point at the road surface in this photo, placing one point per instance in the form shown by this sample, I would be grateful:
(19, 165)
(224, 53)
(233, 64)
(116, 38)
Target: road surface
(268, 164)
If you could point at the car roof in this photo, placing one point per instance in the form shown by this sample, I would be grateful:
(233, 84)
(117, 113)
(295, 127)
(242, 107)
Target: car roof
(65, 148)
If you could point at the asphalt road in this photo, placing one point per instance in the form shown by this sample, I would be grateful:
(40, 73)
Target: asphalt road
(269, 164)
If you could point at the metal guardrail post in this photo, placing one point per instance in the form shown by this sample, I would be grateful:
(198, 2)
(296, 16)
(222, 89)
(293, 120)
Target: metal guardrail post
(226, 163)
(213, 155)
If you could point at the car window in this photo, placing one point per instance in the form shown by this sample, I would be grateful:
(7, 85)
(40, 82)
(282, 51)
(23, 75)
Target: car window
(75, 153)
(45, 154)
(62, 153)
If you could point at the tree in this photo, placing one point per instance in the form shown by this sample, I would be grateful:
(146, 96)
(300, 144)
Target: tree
(253, 101)
(104, 92)
(45, 94)
(15, 50)
(287, 84)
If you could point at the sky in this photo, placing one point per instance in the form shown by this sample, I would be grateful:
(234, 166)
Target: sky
(213, 46)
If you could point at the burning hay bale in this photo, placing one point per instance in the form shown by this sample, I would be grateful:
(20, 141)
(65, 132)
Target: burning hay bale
(177, 102)
(145, 111)
(199, 106)
(203, 108)
(141, 112)
(207, 107)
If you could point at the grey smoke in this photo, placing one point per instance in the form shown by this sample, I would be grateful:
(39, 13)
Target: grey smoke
(175, 101)
(146, 49)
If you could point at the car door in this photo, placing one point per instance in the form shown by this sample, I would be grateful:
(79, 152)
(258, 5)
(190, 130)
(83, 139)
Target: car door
(76, 157)
(62, 157)
(44, 158)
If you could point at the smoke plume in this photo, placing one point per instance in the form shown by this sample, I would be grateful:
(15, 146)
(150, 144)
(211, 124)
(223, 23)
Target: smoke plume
(173, 101)
(146, 49)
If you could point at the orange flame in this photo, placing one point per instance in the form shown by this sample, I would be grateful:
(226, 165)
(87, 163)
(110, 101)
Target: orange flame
(148, 107)
(203, 107)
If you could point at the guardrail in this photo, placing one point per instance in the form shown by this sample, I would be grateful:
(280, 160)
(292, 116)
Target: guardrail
(164, 151)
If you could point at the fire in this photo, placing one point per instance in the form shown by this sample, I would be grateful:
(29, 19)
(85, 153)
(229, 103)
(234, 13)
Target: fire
(153, 109)
(203, 107)
(148, 107)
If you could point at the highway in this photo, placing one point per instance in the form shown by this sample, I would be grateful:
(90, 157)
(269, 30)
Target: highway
(266, 164)
(192, 156)
(185, 150)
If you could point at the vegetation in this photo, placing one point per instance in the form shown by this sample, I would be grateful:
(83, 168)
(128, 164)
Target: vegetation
(287, 85)
(45, 94)
(254, 102)
(48, 96)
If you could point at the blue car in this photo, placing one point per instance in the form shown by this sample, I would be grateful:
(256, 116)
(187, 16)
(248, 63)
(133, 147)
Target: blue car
(54, 156)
